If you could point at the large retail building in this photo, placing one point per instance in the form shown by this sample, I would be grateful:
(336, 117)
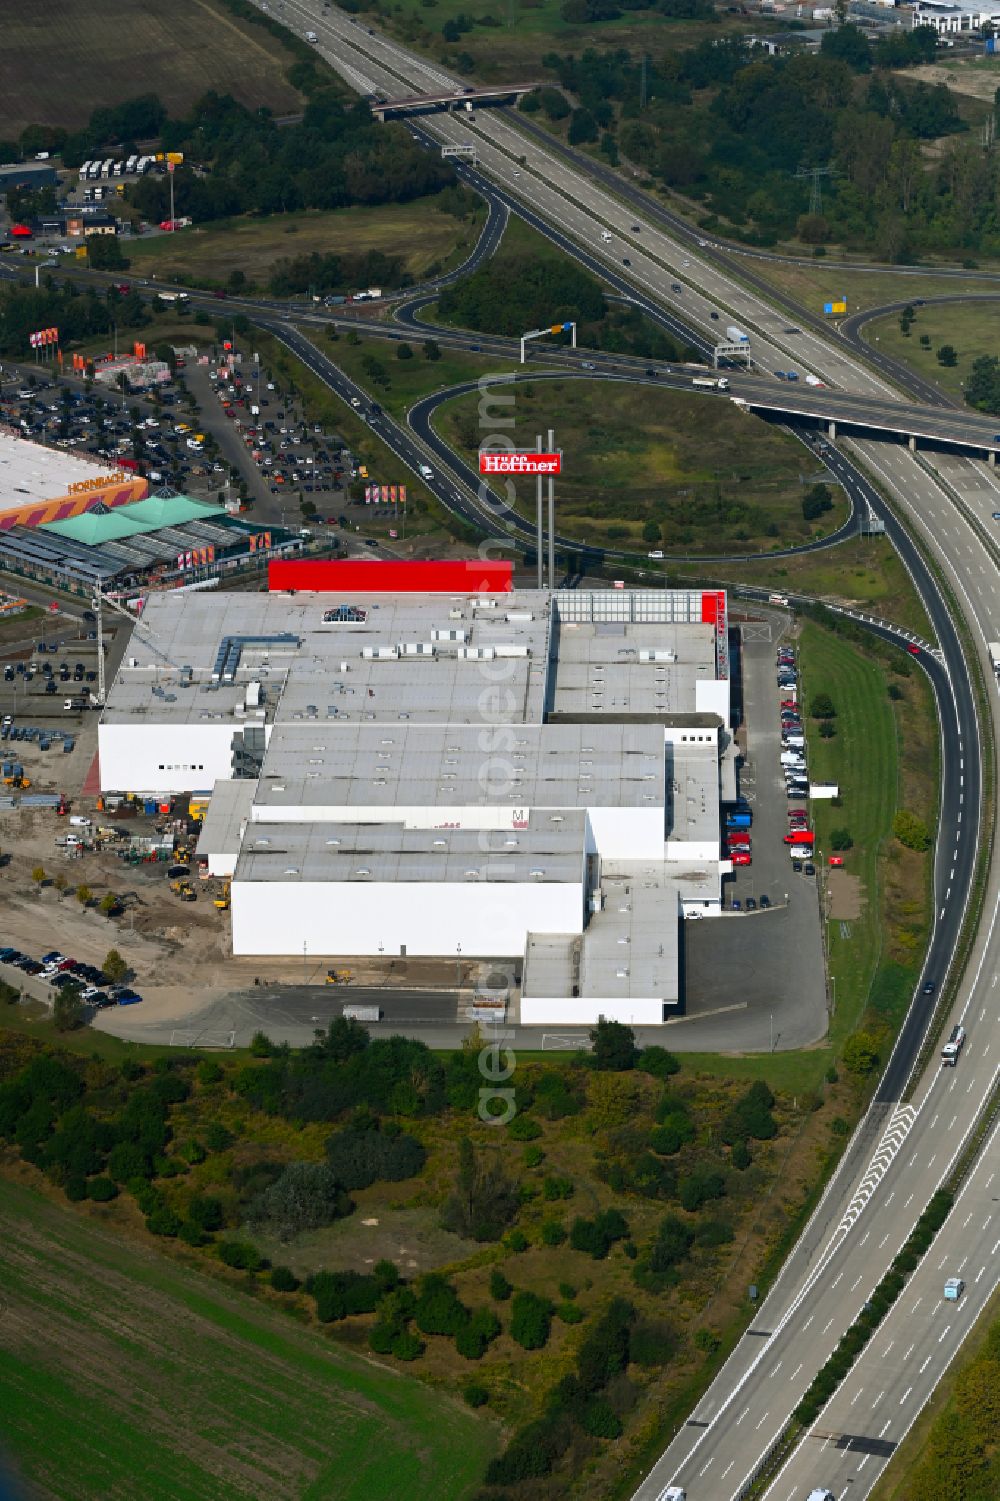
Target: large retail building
(453, 771)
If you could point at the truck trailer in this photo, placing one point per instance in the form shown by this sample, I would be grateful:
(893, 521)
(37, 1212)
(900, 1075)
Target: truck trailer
(736, 335)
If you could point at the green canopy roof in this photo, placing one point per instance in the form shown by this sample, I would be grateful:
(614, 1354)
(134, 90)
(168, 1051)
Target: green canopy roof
(109, 525)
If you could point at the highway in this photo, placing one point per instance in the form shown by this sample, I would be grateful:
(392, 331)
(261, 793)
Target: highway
(901, 1150)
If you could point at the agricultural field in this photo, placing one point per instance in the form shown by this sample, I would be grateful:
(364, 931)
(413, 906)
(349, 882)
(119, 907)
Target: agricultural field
(118, 1363)
(60, 62)
(664, 470)
(423, 239)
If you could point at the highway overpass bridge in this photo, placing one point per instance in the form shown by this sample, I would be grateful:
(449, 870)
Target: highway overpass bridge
(953, 428)
(450, 99)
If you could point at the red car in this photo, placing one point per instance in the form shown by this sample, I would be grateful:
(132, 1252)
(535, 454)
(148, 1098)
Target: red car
(739, 857)
(913, 649)
(797, 813)
(738, 841)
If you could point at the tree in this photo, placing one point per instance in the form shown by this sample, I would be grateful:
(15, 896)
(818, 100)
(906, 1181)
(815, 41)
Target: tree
(84, 895)
(108, 903)
(840, 839)
(432, 350)
(531, 1320)
(38, 875)
(827, 729)
(114, 966)
(861, 1054)
(612, 1046)
(68, 1009)
(60, 883)
(822, 707)
(500, 1288)
(911, 831)
(404, 352)
(651, 533)
(484, 1200)
(947, 355)
(306, 1196)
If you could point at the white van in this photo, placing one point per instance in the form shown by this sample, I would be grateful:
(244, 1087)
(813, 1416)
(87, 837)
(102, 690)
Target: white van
(425, 471)
(77, 822)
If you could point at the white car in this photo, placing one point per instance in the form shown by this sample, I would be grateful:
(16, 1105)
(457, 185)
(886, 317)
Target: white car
(657, 555)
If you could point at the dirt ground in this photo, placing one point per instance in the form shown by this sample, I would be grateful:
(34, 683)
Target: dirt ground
(845, 896)
(971, 78)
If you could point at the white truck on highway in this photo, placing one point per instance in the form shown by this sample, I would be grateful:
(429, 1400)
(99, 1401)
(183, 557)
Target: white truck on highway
(736, 335)
(713, 382)
(952, 1048)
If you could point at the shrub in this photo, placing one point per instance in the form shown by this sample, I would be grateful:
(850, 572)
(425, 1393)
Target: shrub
(474, 1340)
(599, 1419)
(407, 1346)
(500, 1288)
(217, 1137)
(911, 831)
(306, 1196)
(101, 1190)
(359, 1158)
(75, 1188)
(740, 1156)
(531, 1320)
(284, 1280)
(340, 1294)
(163, 1221)
(696, 1188)
(651, 1343)
(668, 1138)
(751, 1116)
(569, 1313)
(822, 707)
(556, 1187)
(475, 1394)
(438, 1309)
(192, 1234)
(523, 1128)
(556, 1096)
(210, 1071)
(713, 1233)
(658, 1062)
(840, 839)
(598, 1235)
(239, 1254)
(612, 1046)
(517, 1241)
(861, 1054)
(206, 1211)
(553, 1232)
(533, 1156)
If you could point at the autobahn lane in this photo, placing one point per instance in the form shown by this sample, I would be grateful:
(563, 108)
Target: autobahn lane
(744, 1413)
(854, 1438)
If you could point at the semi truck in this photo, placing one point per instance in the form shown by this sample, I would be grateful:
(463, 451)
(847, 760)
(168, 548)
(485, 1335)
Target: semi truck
(362, 1013)
(714, 383)
(736, 335)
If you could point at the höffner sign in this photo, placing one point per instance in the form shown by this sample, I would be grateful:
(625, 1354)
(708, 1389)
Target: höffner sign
(520, 463)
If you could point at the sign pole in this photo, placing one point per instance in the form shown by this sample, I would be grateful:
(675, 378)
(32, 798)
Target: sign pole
(538, 520)
(552, 517)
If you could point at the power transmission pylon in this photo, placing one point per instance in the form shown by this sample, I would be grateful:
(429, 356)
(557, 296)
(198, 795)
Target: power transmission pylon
(814, 174)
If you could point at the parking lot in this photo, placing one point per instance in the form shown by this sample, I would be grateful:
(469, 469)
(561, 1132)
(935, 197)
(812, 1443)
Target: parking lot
(756, 979)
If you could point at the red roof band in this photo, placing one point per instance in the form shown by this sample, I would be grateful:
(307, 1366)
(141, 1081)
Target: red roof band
(371, 576)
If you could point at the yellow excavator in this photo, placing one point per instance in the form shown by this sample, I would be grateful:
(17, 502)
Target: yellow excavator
(339, 976)
(184, 890)
(222, 900)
